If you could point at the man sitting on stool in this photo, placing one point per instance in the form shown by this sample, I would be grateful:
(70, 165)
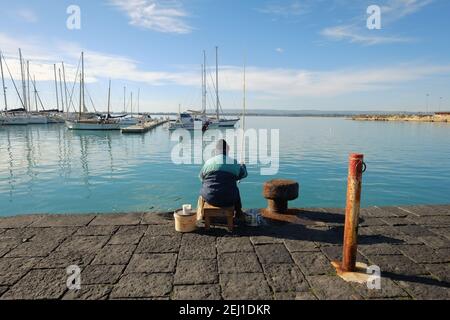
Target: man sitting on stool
(219, 176)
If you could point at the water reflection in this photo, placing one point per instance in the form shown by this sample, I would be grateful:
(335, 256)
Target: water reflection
(47, 168)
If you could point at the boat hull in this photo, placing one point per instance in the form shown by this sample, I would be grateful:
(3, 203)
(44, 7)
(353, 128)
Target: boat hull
(227, 123)
(14, 120)
(126, 122)
(175, 126)
(37, 120)
(75, 125)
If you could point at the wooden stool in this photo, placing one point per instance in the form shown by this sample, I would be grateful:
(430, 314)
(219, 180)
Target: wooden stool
(208, 211)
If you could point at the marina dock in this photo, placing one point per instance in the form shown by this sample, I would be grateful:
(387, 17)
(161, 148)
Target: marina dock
(140, 255)
(144, 127)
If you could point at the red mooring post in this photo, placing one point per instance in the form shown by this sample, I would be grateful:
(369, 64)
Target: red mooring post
(353, 204)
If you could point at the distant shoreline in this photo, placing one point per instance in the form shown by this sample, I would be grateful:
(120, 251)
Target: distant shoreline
(404, 117)
(262, 115)
(355, 115)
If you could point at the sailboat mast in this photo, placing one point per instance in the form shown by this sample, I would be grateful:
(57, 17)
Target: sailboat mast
(109, 96)
(203, 86)
(65, 86)
(24, 91)
(204, 83)
(139, 91)
(61, 90)
(28, 85)
(124, 99)
(13, 82)
(217, 83)
(56, 87)
(82, 79)
(35, 94)
(131, 95)
(79, 110)
(3, 81)
(81, 85)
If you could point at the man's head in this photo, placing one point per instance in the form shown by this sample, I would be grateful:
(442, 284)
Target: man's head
(222, 147)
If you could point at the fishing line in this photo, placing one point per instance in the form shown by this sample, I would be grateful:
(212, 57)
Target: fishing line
(243, 120)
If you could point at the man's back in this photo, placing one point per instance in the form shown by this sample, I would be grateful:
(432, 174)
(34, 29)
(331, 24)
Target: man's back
(219, 175)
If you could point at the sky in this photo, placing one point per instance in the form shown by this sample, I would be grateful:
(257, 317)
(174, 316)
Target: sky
(299, 54)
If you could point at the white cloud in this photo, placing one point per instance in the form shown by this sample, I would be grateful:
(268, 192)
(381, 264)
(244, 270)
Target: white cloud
(293, 8)
(397, 9)
(279, 83)
(27, 15)
(279, 50)
(391, 11)
(356, 35)
(162, 16)
(306, 83)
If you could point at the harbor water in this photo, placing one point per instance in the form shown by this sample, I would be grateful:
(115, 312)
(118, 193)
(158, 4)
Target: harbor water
(49, 169)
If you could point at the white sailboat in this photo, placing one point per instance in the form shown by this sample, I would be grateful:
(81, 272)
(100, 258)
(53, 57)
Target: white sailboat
(33, 118)
(222, 122)
(99, 123)
(216, 121)
(17, 116)
(186, 121)
(128, 120)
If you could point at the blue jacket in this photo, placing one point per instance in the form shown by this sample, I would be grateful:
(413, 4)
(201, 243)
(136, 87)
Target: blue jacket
(219, 175)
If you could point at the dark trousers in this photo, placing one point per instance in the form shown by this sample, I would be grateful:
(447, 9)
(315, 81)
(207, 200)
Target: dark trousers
(238, 204)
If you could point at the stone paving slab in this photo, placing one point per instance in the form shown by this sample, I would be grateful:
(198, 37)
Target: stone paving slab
(114, 254)
(239, 262)
(63, 221)
(117, 219)
(89, 292)
(197, 292)
(152, 263)
(285, 278)
(18, 221)
(234, 244)
(245, 286)
(329, 287)
(140, 256)
(143, 285)
(31, 285)
(196, 272)
(128, 235)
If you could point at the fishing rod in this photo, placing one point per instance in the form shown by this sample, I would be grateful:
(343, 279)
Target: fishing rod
(243, 119)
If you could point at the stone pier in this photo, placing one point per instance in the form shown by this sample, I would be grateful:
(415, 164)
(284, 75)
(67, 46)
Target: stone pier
(140, 256)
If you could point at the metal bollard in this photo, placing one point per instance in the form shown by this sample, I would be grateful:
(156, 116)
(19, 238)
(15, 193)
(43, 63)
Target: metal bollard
(355, 169)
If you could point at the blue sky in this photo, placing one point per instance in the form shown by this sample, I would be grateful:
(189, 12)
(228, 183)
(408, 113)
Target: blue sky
(301, 54)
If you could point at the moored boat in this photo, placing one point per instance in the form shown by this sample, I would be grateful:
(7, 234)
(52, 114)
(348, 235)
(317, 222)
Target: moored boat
(100, 122)
(93, 124)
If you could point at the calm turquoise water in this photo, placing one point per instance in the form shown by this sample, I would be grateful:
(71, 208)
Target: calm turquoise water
(48, 169)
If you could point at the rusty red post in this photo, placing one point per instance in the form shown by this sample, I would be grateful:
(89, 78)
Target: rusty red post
(353, 204)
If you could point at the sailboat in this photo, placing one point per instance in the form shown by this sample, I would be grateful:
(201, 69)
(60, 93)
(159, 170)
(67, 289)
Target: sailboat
(186, 121)
(17, 116)
(127, 120)
(33, 118)
(217, 121)
(99, 123)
